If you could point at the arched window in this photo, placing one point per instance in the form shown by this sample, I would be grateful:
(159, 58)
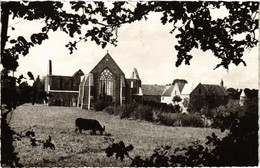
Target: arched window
(106, 83)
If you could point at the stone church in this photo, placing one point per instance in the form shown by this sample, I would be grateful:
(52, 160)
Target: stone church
(106, 82)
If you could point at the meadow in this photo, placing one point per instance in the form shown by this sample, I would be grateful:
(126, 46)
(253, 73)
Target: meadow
(77, 150)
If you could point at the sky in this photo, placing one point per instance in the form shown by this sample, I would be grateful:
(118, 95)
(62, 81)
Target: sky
(146, 45)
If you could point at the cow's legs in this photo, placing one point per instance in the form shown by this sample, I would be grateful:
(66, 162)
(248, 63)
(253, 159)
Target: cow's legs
(94, 132)
(76, 129)
(80, 130)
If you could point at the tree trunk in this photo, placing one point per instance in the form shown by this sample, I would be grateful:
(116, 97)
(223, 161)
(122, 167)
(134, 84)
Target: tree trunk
(4, 21)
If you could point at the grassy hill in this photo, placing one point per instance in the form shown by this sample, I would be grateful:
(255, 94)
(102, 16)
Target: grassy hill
(75, 149)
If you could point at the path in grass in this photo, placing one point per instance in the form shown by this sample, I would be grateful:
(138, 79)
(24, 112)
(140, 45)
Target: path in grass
(75, 149)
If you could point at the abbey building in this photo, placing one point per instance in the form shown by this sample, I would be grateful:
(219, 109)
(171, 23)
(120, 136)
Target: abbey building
(105, 82)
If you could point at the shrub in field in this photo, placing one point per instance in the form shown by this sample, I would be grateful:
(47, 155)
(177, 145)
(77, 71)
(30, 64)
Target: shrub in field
(167, 119)
(223, 116)
(168, 108)
(148, 114)
(143, 113)
(99, 106)
(110, 109)
(135, 111)
(125, 110)
(191, 120)
(156, 113)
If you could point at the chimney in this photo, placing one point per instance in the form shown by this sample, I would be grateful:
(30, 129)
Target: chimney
(50, 68)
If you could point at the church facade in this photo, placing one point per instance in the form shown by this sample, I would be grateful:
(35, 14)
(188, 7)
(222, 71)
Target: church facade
(106, 82)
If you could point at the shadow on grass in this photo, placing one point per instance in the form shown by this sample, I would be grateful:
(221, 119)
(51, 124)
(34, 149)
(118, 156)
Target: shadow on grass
(87, 133)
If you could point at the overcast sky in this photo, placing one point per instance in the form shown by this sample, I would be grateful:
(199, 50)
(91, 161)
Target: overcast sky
(146, 45)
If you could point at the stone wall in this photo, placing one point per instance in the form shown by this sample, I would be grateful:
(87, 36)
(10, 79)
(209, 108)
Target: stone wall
(64, 83)
(63, 99)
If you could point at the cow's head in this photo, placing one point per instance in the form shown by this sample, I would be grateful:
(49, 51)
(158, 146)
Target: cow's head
(103, 130)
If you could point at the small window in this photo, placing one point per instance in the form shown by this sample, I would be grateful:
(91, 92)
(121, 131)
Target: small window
(199, 91)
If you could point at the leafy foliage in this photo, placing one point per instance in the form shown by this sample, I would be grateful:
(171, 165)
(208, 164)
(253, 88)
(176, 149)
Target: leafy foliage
(198, 30)
(119, 149)
(147, 113)
(48, 144)
(160, 106)
(99, 106)
(177, 119)
(176, 99)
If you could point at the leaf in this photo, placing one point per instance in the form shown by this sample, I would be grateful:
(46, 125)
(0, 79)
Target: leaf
(30, 75)
(44, 28)
(13, 41)
(129, 148)
(164, 19)
(22, 40)
(104, 44)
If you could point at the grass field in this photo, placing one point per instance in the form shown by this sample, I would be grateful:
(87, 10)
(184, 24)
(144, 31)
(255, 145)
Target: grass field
(75, 149)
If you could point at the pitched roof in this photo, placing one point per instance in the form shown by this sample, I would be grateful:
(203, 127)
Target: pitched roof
(180, 86)
(180, 83)
(78, 72)
(107, 61)
(168, 90)
(215, 89)
(152, 89)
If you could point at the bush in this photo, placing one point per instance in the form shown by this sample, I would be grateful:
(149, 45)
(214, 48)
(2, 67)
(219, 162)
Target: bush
(167, 119)
(168, 108)
(110, 110)
(143, 113)
(188, 120)
(191, 120)
(99, 106)
(223, 116)
(125, 110)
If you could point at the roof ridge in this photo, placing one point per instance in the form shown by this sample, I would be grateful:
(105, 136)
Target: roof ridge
(108, 55)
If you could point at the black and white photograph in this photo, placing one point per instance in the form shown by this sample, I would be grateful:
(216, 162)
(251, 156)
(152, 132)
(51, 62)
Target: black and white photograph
(129, 83)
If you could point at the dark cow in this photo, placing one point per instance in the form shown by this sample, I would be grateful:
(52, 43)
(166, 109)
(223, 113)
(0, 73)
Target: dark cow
(88, 124)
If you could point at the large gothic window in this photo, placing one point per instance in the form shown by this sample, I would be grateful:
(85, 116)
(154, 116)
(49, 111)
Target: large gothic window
(106, 83)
